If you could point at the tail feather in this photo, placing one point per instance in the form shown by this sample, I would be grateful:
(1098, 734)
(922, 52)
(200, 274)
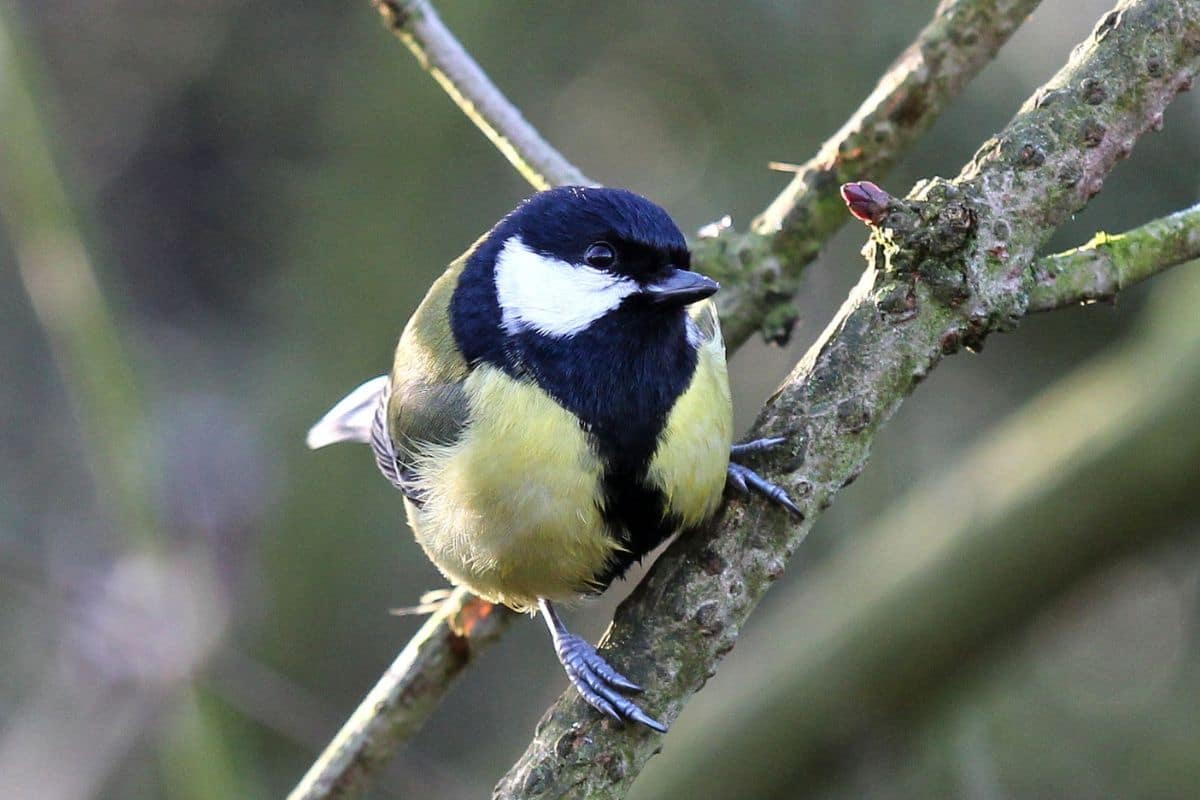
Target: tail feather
(351, 419)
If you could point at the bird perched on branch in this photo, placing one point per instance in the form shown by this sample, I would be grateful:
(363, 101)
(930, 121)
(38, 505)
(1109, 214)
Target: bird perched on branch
(558, 407)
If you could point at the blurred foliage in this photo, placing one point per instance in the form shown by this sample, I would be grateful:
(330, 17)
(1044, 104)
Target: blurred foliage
(266, 191)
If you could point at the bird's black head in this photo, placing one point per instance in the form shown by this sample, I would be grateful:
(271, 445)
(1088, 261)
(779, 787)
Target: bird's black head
(578, 274)
(613, 230)
(569, 257)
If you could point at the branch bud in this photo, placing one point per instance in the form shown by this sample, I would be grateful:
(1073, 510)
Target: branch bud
(866, 201)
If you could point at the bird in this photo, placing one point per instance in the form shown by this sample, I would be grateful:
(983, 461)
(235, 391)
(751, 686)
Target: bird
(558, 406)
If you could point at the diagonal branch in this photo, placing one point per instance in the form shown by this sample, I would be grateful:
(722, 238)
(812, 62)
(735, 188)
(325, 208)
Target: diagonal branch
(950, 264)
(442, 56)
(1100, 464)
(404, 697)
(760, 270)
(963, 36)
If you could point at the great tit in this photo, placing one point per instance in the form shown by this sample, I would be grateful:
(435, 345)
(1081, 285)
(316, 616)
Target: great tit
(558, 407)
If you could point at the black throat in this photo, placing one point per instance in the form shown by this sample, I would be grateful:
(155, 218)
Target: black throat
(620, 377)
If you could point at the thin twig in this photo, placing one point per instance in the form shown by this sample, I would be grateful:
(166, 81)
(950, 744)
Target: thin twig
(951, 265)
(404, 697)
(963, 36)
(1110, 263)
(442, 56)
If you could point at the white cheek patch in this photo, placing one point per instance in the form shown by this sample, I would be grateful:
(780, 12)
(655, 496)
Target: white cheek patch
(550, 296)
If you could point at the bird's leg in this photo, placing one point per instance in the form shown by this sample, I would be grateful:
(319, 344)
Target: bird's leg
(745, 479)
(598, 683)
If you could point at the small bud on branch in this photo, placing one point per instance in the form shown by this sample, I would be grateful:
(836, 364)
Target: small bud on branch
(866, 201)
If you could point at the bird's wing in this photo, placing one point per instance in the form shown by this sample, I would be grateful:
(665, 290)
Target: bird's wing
(427, 404)
(421, 403)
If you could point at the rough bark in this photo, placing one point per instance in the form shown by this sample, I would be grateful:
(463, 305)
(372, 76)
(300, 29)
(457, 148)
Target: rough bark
(1046, 498)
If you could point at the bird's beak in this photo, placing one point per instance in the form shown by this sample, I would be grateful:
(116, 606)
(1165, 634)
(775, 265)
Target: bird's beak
(680, 287)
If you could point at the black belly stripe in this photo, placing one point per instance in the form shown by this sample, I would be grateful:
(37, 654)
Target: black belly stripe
(636, 513)
(621, 378)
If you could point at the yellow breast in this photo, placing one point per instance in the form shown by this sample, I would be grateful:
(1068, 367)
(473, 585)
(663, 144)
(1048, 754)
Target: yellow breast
(511, 508)
(690, 464)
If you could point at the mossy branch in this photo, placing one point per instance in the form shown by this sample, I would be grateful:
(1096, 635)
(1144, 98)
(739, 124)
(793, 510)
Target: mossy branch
(947, 266)
(1109, 263)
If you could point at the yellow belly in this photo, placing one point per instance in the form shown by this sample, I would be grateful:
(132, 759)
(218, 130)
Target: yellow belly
(513, 509)
(689, 466)
(510, 509)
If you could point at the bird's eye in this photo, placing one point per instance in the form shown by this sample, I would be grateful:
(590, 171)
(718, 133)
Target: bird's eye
(600, 255)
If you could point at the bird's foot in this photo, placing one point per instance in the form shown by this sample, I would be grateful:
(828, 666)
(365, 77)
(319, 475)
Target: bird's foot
(746, 480)
(595, 679)
(599, 684)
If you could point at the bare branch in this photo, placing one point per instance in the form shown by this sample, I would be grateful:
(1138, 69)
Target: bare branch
(1109, 263)
(405, 696)
(440, 54)
(950, 265)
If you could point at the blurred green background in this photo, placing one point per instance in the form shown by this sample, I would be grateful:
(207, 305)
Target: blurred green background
(191, 602)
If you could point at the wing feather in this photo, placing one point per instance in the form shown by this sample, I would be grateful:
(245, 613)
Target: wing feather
(426, 404)
(421, 403)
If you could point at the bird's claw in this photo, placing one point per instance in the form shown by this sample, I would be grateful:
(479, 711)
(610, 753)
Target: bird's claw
(755, 446)
(599, 684)
(745, 479)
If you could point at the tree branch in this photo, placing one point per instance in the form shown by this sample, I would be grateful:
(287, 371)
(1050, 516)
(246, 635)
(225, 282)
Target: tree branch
(404, 697)
(949, 265)
(1107, 264)
(440, 54)
(760, 270)
(1045, 498)
(962, 37)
